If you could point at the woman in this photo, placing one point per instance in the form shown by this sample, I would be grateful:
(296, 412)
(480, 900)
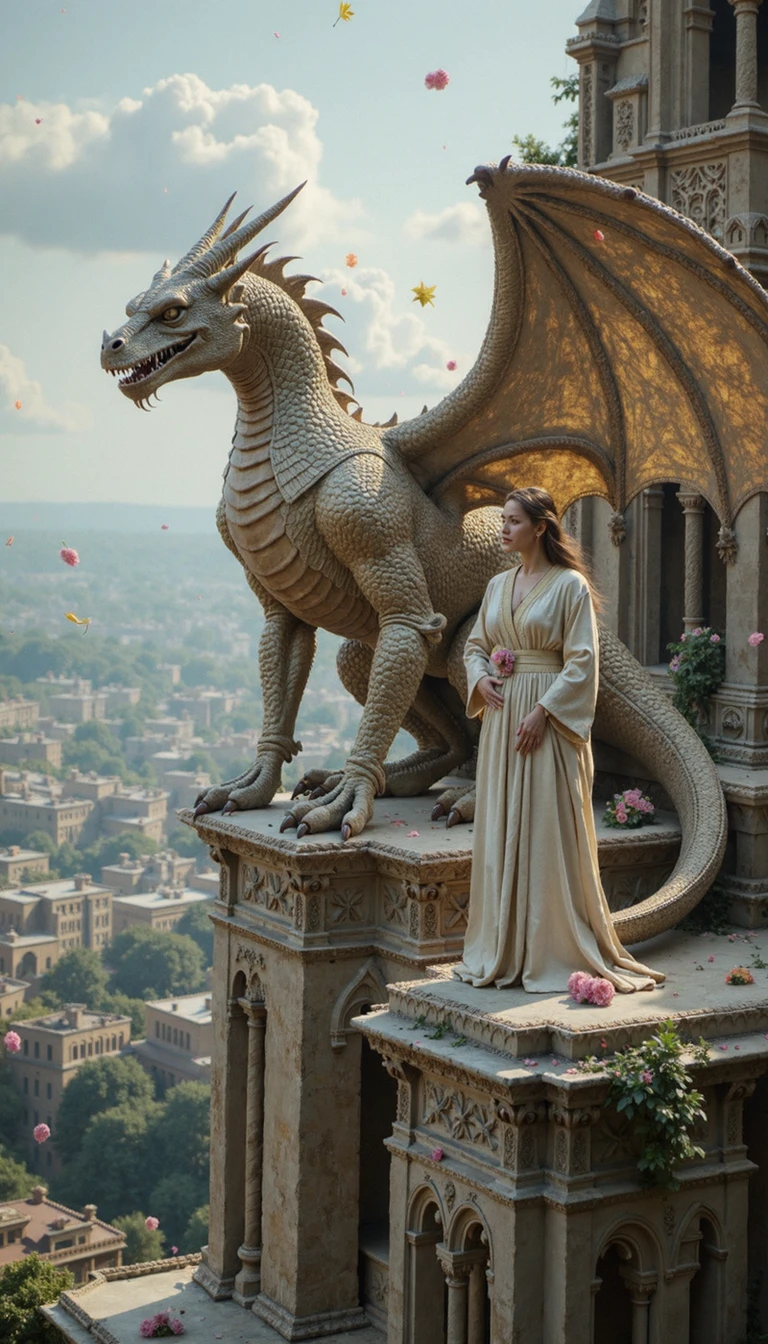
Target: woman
(537, 910)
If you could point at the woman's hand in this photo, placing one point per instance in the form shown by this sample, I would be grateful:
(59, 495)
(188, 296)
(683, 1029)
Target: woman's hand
(531, 731)
(487, 688)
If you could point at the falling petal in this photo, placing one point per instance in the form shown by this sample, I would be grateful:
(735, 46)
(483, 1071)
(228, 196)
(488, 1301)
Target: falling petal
(753, 639)
(17, 404)
(275, 34)
(424, 294)
(151, 1223)
(410, 835)
(599, 236)
(69, 555)
(344, 293)
(437, 79)
(351, 260)
(38, 121)
(10, 541)
(164, 527)
(451, 366)
(41, 1133)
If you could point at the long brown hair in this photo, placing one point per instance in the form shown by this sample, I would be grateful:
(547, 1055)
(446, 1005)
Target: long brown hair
(559, 547)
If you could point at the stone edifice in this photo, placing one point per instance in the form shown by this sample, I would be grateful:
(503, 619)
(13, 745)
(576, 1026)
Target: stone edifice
(79, 1242)
(179, 1040)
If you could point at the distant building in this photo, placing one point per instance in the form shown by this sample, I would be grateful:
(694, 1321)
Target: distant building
(159, 909)
(15, 862)
(30, 747)
(143, 810)
(172, 671)
(89, 785)
(129, 876)
(40, 921)
(19, 713)
(208, 882)
(179, 1040)
(52, 1049)
(121, 697)
(205, 707)
(185, 786)
(80, 705)
(12, 995)
(27, 806)
(79, 1242)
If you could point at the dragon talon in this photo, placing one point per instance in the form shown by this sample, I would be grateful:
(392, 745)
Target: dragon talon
(454, 817)
(319, 792)
(287, 824)
(200, 809)
(301, 788)
(302, 831)
(438, 811)
(346, 832)
(228, 808)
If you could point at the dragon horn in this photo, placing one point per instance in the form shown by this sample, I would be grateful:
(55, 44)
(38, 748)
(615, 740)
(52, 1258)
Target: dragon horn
(218, 256)
(207, 240)
(223, 281)
(163, 273)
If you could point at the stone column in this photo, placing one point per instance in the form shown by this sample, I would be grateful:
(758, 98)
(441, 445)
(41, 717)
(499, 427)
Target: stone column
(248, 1281)
(641, 1301)
(423, 1323)
(648, 628)
(699, 19)
(476, 1306)
(746, 53)
(457, 1271)
(693, 507)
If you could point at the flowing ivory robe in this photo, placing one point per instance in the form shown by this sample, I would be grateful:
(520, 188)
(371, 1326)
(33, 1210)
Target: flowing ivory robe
(537, 909)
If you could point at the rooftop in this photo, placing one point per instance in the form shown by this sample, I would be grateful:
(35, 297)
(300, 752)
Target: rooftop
(74, 1017)
(162, 899)
(43, 1218)
(17, 855)
(190, 1007)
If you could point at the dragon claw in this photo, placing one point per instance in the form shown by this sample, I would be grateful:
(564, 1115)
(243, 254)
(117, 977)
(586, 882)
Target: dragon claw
(438, 811)
(302, 831)
(346, 832)
(454, 817)
(200, 809)
(319, 792)
(301, 788)
(287, 824)
(228, 808)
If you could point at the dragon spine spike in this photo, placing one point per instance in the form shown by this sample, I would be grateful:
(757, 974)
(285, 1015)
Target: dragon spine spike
(206, 242)
(215, 258)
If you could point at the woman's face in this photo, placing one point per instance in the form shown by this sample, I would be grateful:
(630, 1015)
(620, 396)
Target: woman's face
(518, 531)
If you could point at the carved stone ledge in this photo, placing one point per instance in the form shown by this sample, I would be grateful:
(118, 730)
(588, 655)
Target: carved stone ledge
(307, 1327)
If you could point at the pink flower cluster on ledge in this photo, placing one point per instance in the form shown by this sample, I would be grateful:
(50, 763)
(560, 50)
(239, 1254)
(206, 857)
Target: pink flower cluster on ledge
(593, 989)
(161, 1326)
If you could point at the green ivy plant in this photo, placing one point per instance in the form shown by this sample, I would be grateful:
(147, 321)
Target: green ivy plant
(651, 1086)
(697, 669)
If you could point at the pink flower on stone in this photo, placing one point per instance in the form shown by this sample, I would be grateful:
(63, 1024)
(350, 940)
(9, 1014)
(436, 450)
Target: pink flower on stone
(437, 1154)
(71, 558)
(755, 639)
(411, 834)
(710, 958)
(437, 79)
(576, 985)
(41, 1133)
(621, 813)
(12, 1042)
(151, 1223)
(600, 992)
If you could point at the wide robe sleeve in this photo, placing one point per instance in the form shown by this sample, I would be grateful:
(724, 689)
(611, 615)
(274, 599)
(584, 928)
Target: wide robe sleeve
(570, 700)
(477, 652)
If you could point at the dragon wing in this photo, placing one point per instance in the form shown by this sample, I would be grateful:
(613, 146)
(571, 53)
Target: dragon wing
(625, 348)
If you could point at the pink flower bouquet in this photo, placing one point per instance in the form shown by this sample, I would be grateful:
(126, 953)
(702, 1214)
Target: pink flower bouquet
(504, 661)
(630, 809)
(161, 1326)
(593, 989)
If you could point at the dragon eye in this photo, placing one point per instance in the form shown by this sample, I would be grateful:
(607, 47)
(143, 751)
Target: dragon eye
(171, 314)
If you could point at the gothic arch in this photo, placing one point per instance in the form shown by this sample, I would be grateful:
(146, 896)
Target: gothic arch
(639, 1241)
(424, 1198)
(698, 1214)
(366, 987)
(457, 1236)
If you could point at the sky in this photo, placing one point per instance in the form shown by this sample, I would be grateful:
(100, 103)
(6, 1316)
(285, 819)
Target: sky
(125, 126)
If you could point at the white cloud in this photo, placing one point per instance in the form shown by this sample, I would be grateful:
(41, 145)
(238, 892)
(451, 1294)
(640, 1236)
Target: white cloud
(34, 414)
(463, 223)
(131, 179)
(381, 337)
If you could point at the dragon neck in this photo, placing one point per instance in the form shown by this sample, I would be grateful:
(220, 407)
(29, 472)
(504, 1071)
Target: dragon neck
(281, 361)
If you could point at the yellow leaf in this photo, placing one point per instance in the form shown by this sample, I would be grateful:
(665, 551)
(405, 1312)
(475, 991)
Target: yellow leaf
(346, 12)
(78, 620)
(424, 294)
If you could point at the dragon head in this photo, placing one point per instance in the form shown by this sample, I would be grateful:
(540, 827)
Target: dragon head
(189, 320)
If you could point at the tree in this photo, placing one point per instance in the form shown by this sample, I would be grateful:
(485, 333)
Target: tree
(141, 1244)
(152, 964)
(117, 1163)
(108, 849)
(133, 1008)
(182, 1132)
(200, 760)
(566, 154)
(26, 1285)
(98, 1086)
(187, 842)
(77, 977)
(196, 1232)
(174, 1200)
(196, 923)
(16, 1181)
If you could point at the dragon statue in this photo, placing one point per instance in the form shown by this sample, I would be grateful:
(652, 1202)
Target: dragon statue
(598, 376)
